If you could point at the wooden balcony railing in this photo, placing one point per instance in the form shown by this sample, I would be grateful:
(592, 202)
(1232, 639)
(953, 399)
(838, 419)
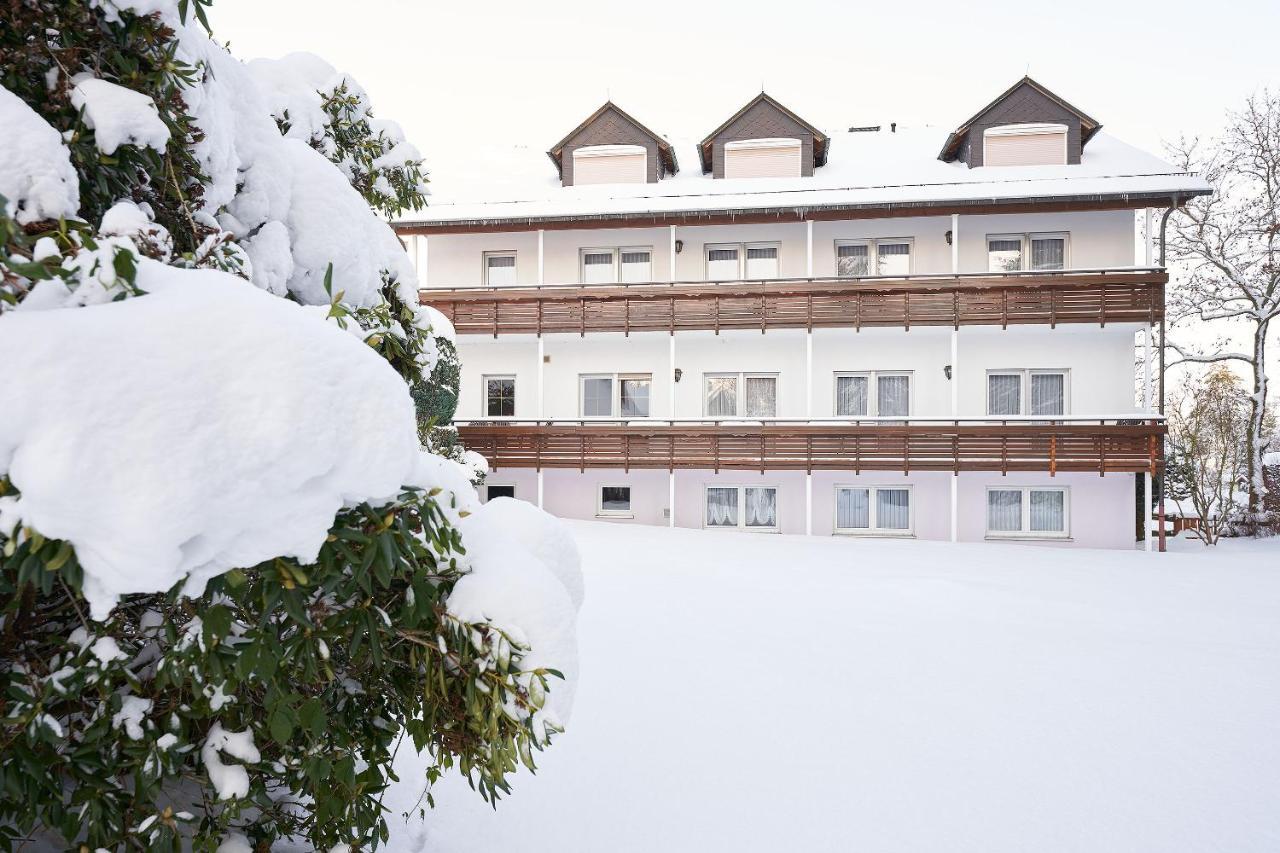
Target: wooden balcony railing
(1050, 298)
(1102, 446)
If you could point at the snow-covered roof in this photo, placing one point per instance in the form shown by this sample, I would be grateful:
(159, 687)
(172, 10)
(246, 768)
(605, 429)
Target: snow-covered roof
(874, 169)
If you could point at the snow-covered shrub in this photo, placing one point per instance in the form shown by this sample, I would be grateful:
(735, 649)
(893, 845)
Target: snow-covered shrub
(227, 568)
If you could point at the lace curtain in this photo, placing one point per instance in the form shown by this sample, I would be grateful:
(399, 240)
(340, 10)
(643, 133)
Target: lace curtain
(1048, 511)
(851, 395)
(722, 396)
(1004, 510)
(761, 507)
(893, 509)
(852, 261)
(1047, 393)
(597, 397)
(722, 507)
(1004, 394)
(1049, 253)
(635, 398)
(853, 509)
(893, 396)
(761, 396)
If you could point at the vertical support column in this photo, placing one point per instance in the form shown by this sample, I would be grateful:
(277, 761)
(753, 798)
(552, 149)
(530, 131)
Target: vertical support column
(808, 503)
(538, 404)
(808, 248)
(1148, 236)
(1146, 368)
(671, 273)
(955, 373)
(671, 498)
(955, 508)
(542, 267)
(542, 272)
(539, 488)
(421, 258)
(1146, 511)
(808, 374)
(671, 376)
(955, 242)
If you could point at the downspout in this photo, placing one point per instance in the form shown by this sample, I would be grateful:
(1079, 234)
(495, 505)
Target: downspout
(1164, 222)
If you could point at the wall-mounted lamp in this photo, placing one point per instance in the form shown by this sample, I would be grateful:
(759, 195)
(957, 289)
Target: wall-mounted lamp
(679, 373)
(948, 236)
(679, 246)
(947, 371)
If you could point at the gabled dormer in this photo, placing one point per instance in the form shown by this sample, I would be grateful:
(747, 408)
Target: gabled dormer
(1026, 126)
(764, 139)
(612, 147)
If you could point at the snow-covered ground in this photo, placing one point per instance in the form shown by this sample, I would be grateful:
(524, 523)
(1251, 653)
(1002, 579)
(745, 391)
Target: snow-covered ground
(753, 693)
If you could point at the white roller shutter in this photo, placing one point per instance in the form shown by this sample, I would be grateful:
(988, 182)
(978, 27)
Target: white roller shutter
(762, 158)
(1025, 145)
(610, 164)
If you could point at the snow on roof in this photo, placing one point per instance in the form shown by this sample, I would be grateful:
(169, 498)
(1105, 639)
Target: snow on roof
(863, 169)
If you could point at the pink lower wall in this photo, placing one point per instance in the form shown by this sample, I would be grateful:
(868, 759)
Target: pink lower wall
(1101, 508)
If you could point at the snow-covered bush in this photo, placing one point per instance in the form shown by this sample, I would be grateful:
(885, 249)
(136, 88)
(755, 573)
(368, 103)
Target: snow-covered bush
(232, 584)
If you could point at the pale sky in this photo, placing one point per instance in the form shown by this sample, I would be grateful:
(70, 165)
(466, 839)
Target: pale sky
(528, 72)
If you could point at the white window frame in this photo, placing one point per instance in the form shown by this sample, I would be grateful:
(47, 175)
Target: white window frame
(1024, 388)
(873, 253)
(742, 258)
(741, 526)
(615, 403)
(617, 252)
(873, 529)
(506, 253)
(1030, 130)
(511, 486)
(873, 397)
(1026, 532)
(1025, 239)
(484, 394)
(601, 512)
(740, 397)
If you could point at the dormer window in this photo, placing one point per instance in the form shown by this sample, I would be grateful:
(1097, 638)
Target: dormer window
(1025, 145)
(610, 164)
(762, 158)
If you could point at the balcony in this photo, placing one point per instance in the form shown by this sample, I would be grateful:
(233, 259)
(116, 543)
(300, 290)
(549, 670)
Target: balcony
(1131, 295)
(1102, 445)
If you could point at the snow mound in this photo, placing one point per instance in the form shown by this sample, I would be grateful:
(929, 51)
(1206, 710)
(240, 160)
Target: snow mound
(204, 426)
(440, 325)
(118, 116)
(37, 180)
(291, 87)
(525, 579)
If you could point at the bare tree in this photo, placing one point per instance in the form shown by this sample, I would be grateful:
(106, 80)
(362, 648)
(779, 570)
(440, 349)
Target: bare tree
(1208, 420)
(1229, 243)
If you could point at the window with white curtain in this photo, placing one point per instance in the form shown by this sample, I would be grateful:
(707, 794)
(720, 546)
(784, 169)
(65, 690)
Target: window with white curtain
(499, 268)
(874, 509)
(611, 395)
(499, 396)
(742, 507)
(873, 257)
(746, 395)
(614, 500)
(1027, 392)
(891, 396)
(612, 265)
(1015, 252)
(1028, 511)
(742, 261)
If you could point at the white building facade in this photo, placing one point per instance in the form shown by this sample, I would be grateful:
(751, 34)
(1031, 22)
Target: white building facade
(798, 332)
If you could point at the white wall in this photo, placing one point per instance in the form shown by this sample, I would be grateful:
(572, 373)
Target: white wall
(1098, 239)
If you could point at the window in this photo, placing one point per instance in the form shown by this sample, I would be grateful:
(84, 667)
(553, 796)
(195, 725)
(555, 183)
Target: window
(610, 164)
(609, 266)
(499, 269)
(614, 500)
(1027, 392)
(1027, 512)
(874, 509)
(1015, 252)
(892, 397)
(493, 490)
(748, 395)
(739, 261)
(610, 395)
(762, 158)
(499, 396)
(742, 507)
(856, 258)
(1025, 145)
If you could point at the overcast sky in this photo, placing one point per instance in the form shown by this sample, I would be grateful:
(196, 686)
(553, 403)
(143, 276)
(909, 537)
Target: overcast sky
(528, 72)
